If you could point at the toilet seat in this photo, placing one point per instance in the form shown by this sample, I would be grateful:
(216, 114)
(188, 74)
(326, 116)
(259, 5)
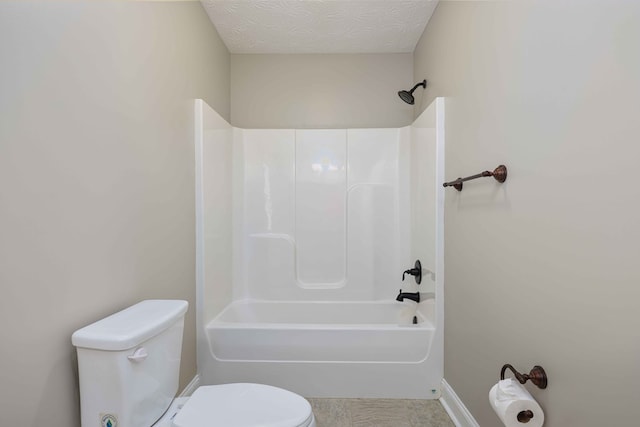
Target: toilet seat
(244, 405)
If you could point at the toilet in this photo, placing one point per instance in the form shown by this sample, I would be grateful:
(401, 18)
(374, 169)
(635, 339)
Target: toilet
(129, 365)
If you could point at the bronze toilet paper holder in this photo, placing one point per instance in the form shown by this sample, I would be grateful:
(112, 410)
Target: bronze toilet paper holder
(537, 375)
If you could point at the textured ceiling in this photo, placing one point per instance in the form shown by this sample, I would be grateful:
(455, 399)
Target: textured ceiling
(320, 26)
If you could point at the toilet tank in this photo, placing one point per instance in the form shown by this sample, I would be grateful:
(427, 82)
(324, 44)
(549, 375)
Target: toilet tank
(129, 364)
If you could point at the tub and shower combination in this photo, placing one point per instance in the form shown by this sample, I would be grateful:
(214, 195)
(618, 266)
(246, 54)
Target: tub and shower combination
(302, 238)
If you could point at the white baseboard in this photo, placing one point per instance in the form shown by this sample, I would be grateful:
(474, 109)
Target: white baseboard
(458, 413)
(191, 387)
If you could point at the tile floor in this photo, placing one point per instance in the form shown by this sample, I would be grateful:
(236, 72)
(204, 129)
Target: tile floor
(379, 413)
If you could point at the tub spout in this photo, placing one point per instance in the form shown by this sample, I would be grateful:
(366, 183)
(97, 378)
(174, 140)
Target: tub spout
(413, 296)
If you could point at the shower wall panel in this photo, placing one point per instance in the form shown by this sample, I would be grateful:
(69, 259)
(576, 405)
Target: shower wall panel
(321, 213)
(373, 203)
(423, 211)
(269, 212)
(213, 139)
(269, 176)
(321, 179)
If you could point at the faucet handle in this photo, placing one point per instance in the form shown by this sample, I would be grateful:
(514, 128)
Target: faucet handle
(411, 271)
(416, 271)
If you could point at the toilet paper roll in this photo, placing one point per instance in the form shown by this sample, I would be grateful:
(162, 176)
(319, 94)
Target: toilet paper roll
(509, 398)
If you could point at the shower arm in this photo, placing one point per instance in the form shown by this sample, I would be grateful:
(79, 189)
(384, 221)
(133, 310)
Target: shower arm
(423, 84)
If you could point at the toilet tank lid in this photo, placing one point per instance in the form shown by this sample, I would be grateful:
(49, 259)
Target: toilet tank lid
(130, 327)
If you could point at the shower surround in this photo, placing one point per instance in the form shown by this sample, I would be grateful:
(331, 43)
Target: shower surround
(302, 238)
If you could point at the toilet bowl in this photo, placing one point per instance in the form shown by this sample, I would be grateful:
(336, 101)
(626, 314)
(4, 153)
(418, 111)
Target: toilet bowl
(128, 366)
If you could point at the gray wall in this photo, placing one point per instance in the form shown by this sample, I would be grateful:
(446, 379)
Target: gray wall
(320, 91)
(543, 269)
(96, 180)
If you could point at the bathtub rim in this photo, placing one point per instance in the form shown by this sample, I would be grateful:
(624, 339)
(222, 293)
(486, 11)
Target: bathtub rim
(425, 312)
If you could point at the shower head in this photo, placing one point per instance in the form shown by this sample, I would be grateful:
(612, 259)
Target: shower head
(407, 96)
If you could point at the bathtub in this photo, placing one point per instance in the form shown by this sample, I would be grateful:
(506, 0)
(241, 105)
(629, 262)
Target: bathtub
(327, 349)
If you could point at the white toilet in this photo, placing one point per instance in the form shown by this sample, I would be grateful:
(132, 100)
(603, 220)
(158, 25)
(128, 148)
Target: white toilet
(129, 364)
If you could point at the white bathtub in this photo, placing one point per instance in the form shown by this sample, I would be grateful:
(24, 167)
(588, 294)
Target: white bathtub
(319, 331)
(326, 349)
